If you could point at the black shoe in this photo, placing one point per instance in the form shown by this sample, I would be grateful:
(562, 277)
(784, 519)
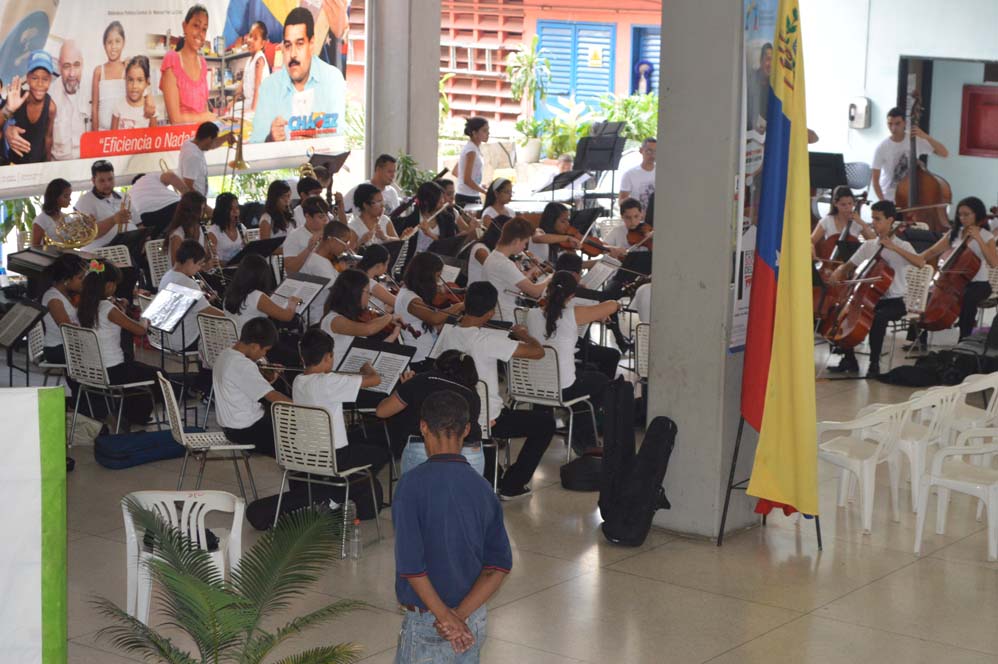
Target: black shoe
(506, 495)
(70, 464)
(847, 365)
(873, 371)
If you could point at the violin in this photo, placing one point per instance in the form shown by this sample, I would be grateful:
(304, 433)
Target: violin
(371, 314)
(640, 236)
(591, 247)
(449, 295)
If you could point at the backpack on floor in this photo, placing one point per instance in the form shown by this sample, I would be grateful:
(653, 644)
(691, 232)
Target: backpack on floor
(124, 450)
(634, 492)
(583, 473)
(260, 513)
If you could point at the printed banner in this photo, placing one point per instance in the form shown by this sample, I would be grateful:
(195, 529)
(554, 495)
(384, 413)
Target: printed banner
(33, 548)
(760, 27)
(84, 80)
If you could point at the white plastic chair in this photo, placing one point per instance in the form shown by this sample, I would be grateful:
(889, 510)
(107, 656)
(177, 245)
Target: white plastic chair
(642, 349)
(485, 422)
(216, 334)
(861, 450)
(398, 267)
(537, 382)
(158, 257)
(967, 416)
(520, 316)
(952, 472)
(201, 445)
(185, 511)
(85, 365)
(926, 424)
(117, 254)
(304, 446)
(36, 354)
(251, 234)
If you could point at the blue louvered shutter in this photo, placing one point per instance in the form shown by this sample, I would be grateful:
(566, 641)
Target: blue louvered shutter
(594, 61)
(649, 48)
(557, 39)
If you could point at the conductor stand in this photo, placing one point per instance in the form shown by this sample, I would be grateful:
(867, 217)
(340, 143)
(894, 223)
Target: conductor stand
(742, 485)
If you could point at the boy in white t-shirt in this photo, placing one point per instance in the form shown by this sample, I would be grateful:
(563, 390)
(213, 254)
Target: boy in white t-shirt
(190, 260)
(319, 386)
(242, 394)
(301, 242)
(503, 273)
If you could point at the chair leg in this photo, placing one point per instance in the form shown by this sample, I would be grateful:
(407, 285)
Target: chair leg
(239, 477)
(917, 459)
(207, 408)
(923, 507)
(568, 436)
(993, 524)
(204, 461)
(592, 414)
(393, 471)
(76, 409)
(346, 503)
(183, 469)
(280, 497)
(894, 470)
(143, 594)
(942, 507)
(867, 488)
(844, 480)
(121, 408)
(374, 502)
(249, 475)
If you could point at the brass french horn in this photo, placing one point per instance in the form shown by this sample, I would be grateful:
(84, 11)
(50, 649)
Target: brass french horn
(75, 230)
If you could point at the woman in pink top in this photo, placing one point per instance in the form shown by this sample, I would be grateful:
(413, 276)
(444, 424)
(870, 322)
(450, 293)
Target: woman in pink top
(184, 79)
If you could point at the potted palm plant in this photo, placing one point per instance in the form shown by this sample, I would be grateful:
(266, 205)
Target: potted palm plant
(529, 74)
(18, 214)
(225, 618)
(530, 129)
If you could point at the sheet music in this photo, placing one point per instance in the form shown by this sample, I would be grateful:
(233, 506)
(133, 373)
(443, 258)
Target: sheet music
(169, 307)
(450, 273)
(599, 273)
(16, 322)
(306, 290)
(390, 367)
(356, 358)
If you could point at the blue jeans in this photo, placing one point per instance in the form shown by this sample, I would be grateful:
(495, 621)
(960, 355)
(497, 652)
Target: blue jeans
(415, 454)
(419, 642)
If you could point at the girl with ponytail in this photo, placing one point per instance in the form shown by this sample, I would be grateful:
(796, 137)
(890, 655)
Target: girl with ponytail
(557, 324)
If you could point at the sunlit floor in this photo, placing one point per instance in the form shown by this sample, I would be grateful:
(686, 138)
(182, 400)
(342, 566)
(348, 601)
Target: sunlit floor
(767, 596)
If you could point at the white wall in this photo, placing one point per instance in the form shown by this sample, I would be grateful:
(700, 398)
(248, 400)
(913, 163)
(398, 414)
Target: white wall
(969, 176)
(852, 47)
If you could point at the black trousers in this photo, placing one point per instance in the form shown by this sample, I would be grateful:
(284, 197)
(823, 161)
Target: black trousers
(260, 435)
(538, 427)
(887, 310)
(137, 407)
(602, 358)
(158, 220)
(976, 292)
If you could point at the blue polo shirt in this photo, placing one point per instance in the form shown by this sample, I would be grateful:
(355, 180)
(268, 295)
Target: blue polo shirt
(276, 95)
(448, 526)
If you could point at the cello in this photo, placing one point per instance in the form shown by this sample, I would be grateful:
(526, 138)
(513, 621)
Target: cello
(922, 189)
(830, 252)
(948, 286)
(850, 322)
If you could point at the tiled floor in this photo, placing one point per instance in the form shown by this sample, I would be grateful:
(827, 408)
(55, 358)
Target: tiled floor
(767, 596)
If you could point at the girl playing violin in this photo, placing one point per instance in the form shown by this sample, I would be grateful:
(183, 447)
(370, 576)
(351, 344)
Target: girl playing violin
(414, 300)
(899, 255)
(554, 233)
(971, 222)
(375, 264)
(347, 313)
(248, 294)
(843, 220)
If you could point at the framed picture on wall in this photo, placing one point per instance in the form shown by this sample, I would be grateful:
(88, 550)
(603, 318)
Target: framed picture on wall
(979, 122)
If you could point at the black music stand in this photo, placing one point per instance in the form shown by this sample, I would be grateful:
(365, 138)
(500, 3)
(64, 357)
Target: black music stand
(333, 163)
(827, 169)
(14, 325)
(165, 313)
(582, 220)
(598, 154)
(564, 180)
(259, 247)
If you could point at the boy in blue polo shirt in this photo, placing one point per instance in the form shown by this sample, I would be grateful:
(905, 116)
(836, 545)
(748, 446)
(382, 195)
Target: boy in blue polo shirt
(451, 548)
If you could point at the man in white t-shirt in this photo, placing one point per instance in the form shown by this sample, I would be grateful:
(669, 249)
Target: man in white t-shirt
(154, 200)
(890, 161)
(111, 210)
(899, 255)
(639, 182)
(382, 178)
(307, 187)
(487, 347)
(239, 387)
(503, 273)
(193, 165)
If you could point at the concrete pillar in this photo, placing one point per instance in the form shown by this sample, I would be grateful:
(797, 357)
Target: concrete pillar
(693, 379)
(402, 78)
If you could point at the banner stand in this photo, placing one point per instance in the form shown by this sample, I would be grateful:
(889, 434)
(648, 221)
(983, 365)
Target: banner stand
(742, 485)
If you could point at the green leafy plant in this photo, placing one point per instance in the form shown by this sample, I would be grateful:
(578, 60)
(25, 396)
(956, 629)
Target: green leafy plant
(19, 214)
(529, 73)
(225, 618)
(529, 128)
(639, 113)
(570, 121)
(408, 174)
(355, 125)
(444, 99)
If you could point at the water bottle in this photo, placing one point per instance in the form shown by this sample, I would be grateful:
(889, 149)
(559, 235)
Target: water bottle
(353, 543)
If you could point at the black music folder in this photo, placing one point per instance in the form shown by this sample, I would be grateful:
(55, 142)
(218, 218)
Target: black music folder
(260, 247)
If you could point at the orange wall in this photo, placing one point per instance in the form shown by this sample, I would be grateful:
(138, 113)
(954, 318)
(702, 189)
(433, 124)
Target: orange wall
(595, 11)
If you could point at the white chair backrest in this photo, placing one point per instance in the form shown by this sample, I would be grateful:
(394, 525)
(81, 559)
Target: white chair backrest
(251, 234)
(217, 334)
(158, 257)
(190, 517)
(83, 360)
(277, 267)
(934, 409)
(918, 279)
(172, 409)
(399, 265)
(642, 341)
(520, 316)
(484, 417)
(36, 343)
(303, 439)
(535, 379)
(982, 383)
(892, 416)
(993, 279)
(115, 253)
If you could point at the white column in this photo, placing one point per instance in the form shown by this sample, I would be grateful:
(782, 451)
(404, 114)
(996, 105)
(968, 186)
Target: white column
(403, 73)
(693, 379)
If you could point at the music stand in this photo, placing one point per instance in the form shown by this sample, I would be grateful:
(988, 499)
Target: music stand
(583, 219)
(259, 247)
(598, 154)
(14, 325)
(827, 169)
(306, 287)
(606, 128)
(166, 311)
(331, 162)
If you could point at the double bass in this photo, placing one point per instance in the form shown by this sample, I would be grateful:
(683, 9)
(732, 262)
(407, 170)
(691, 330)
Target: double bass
(922, 194)
(849, 322)
(948, 286)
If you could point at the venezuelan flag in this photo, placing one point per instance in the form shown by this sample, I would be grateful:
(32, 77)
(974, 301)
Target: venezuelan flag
(778, 384)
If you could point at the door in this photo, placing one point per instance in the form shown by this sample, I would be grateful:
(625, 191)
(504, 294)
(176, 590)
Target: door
(646, 44)
(581, 56)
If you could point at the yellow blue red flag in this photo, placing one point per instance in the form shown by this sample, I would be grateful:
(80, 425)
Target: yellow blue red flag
(778, 384)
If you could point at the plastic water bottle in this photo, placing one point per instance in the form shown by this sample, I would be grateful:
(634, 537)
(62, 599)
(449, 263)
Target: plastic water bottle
(353, 542)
